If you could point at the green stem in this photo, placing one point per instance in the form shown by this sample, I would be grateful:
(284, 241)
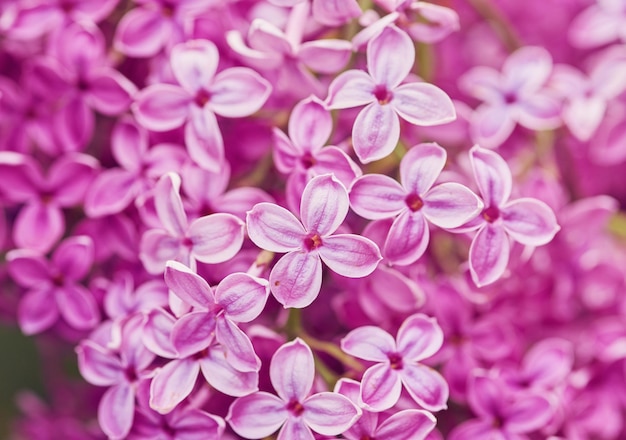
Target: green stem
(334, 351)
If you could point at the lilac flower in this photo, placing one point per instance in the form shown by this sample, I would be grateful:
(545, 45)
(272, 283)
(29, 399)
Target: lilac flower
(292, 372)
(211, 239)
(53, 286)
(515, 95)
(122, 370)
(526, 220)
(376, 131)
(200, 95)
(297, 277)
(398, 364)
(182, 423)
(413, 202)
(598, 25)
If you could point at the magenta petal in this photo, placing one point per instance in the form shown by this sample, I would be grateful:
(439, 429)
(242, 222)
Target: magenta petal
(156, 333)
(162, 107)
(488, 254)
(408, 238)
(351, 89)
(169, 205)
(451, 205)
(325, 55)
(188, 286)
(350, 255)
(475, 429)
(423, 104)
(74, 257)
(286, 153)
(426, 386)
(116, 411)
(222, 376)
(376, 196)
(203, 139)
(421, 166)
(140, 33)
(380, 388)
(324, 205)
(267, 37)
(419, 337)
(491, 125)
(37, 311)
(334, 160)
(110, 92)
(310, 124)
(292, 370)
(242, 296)
(193, 333)
(528, 413)
(238, 92)
(258, 415)
(38, 226)
(492, 175)
(410, 424)
(216, 238)
(74, 124)
(70, 176)
(274, 228)
(172, 384)
(376, 132)
(549, 362)
(111, 192)
(335, 12)
(77, 306)
(194, 64)
(98, 366)
(194, 424)
(295, 429)
(296, 279)
(129, 144)
(329, 413)
(369, 343)
(28, 268)
(156, 247)
(390, 57)
(239, 351)
(529, 221)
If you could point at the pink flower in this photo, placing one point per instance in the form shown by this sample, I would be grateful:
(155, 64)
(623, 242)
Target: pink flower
(398, 364)
(599, 24)
(413, 202)
(376, 131)
(526, 220)
(296, 278)
(182, 423)
(292, 372)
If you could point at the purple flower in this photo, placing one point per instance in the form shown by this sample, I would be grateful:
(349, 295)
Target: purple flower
(296, 278)
(413, 202)
(398, 364)
(376, 131)
(292, 372)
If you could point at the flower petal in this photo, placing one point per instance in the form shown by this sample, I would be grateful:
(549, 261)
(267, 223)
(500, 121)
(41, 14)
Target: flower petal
(350, 255)
(329, 413)
(156, 247)
(324, 205)
(37, 311)
(295, 429)
(380, 388)
(172, 384)
(74, 257)
(296, 279)
(116, 411)
(420, 167)
(77, 306)
(239, 351)
(242, 296)
(258, 415)
(375, 132)
(325, 55)
(194, 64)
(426, 386)
(310, 124)
(488, 254)
(188, 286)
(141, 32)
(274, 228)
(409, 424)
(423, 104)
(193, 333)
(204, 140)
(28, 268)
(370, 343)
(491, 125)
(38, 226)
(492, 175)
(223, 377)
(419, 337)
(527, 69)
(161, 107)
(98, 366)
(169, 205)
(528, 413)
(376, 196)
(216, 238)
(292, 370)
(238, 92)
(390, 57)
(156, 333)
(408, 238)
(451, 205)
(352, 88)
(529, 221)
(110, 92)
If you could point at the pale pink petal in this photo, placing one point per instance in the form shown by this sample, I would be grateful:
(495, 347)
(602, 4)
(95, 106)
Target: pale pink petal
(529, 221)
(426, 386)
(193, 333)
(203, 139)
(156, 333)
(423, 104)
(216, 238)
(527, 414)
(28, 268)
(258, 415)
(488, 254)
(156, 247)
(116, 411)
(310, 124)
(408, 238)
(329, 413)
(491, 125)
(172, 384)
(292, 370)
(583, 116)
(324, 205)
(238, 92)
(296, 279)
(188, 286)
(194, 64)
(110, 92)
(593, 27)
(541, 112)
(351, 89)
(239, 351)
(482, 82)
(492, 175)
(527, 69)
(380, 388)
(193, 424)
(409, 424)
(222, 376)
(274, 228)
(326, 55)
(419, 337)
(335, 12)
(376, 196)
(336, 161)
(266, 37)
(37, 311)
(77, 306)
(420, 167)
(74, 257)
(390, 57)
(38, 227)
(451, 205)
(98, 366)
(286, 153)
(369, 343)
(350, 255)
(295, 429)
(162, 107)
(129, 144)
(141, 33)
(440, 21)
(242, 296)
(376, 132)
(169, 205)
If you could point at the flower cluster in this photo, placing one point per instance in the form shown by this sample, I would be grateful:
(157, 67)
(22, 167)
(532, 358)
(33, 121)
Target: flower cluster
(316, 219)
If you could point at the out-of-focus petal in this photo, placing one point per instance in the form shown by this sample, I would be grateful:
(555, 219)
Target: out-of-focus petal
(140, 33)
(491, 125)
(161, 107)
(116, 410)
(326, 55)
(194, 64)
(37, 311)
(77, 306)
(74, 257)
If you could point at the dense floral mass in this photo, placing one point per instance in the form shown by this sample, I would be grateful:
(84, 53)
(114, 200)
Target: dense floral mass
(316, 219)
